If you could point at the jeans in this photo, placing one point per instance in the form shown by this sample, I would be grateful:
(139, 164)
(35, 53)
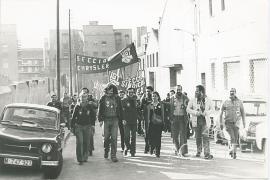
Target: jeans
(91, 138)
(179, 127)
(202, 137)
(110, 135)
(122, 134)
(233, 131)
(82, 133)
(130, 142)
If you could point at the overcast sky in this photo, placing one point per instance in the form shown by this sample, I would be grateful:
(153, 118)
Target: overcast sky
(34, 18)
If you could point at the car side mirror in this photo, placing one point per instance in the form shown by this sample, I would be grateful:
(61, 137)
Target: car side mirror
(62, 125)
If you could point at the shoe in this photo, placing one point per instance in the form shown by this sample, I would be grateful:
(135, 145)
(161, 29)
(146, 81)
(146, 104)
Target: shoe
(125, 152)
(158, 155)
(80, 163)
(145, 151)
(231, 153)
(106, 155)
(85, 160)
(114, 160)
(132, 155)
(208, 156)
(234, 156)
(184, 155)
(90, 153)
(198, 154)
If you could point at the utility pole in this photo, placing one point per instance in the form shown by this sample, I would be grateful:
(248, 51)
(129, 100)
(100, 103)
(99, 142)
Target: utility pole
(70, 62)
(195, 36)
(57, 51)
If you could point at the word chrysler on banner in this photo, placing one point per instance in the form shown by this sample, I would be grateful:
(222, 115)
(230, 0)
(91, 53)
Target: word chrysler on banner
(89, 65)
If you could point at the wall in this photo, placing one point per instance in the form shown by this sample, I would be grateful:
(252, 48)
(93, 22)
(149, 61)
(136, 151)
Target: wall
(35, 92)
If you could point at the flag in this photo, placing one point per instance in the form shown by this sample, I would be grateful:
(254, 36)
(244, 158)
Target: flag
(125, 57)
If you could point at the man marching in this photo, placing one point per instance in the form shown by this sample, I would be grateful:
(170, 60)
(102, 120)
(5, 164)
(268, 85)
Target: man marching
(130, 121)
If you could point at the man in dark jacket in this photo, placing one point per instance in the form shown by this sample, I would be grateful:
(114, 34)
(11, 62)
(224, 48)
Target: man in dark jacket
(130, 121)
(82, 119)
(110, 112)
(121, 126)
(145, 105)
(54, 102)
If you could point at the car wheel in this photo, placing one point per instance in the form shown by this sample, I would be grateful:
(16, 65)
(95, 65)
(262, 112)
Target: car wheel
(53, 172)
(264, 146)
(243, 145)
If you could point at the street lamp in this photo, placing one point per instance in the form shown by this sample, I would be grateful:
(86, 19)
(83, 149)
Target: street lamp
(195, 40)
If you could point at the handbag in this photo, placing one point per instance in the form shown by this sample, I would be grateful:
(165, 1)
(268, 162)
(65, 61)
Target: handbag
(157, 119)
(190, 130)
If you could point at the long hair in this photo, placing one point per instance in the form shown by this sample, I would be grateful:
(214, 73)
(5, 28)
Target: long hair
(201, 89)
(156, 93)
(111, 86)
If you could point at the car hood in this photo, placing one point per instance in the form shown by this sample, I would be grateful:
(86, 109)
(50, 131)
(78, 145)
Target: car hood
(256, 119)
(26, 135)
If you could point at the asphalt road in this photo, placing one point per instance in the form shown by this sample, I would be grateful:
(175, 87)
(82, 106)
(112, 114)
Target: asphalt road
(249, 165)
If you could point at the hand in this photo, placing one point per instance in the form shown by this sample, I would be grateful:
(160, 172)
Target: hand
(124, 122)
(100, 123)
(93, 129)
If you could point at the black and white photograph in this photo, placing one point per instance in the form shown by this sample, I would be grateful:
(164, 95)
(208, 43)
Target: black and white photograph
(134, 89)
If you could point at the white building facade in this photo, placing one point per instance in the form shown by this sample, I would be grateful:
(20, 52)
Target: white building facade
(233, 46)
(217, 43)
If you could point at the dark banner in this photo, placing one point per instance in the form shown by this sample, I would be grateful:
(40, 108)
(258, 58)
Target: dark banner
(89, 65)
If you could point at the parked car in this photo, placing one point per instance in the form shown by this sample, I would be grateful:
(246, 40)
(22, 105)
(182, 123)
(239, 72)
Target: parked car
(255, 109)
(31, 136)
(261, 136)
(255, 117)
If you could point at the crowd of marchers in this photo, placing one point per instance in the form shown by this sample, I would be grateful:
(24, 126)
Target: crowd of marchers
(145, 114)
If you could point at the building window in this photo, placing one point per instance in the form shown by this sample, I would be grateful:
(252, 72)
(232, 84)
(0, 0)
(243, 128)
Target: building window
(150, 59)
(223, 5)
(172, 77)
(152, 79)
(95, 54)
(157, 59)
(153, 60)
(257, 71)
(203, 81)
(143, 63)
(103, 43)
(104, 53)
(147, 60)
(95, 43)
(210, 8)
(213, 75)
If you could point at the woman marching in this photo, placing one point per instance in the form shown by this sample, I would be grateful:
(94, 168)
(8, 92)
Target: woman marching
(156, 116)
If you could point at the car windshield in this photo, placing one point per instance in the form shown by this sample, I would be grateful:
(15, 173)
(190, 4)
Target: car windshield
(23, 116)
(255, 108)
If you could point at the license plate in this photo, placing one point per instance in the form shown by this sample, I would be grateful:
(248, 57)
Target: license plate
(19, 162)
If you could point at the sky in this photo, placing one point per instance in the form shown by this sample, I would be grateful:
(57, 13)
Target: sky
(34, 18)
